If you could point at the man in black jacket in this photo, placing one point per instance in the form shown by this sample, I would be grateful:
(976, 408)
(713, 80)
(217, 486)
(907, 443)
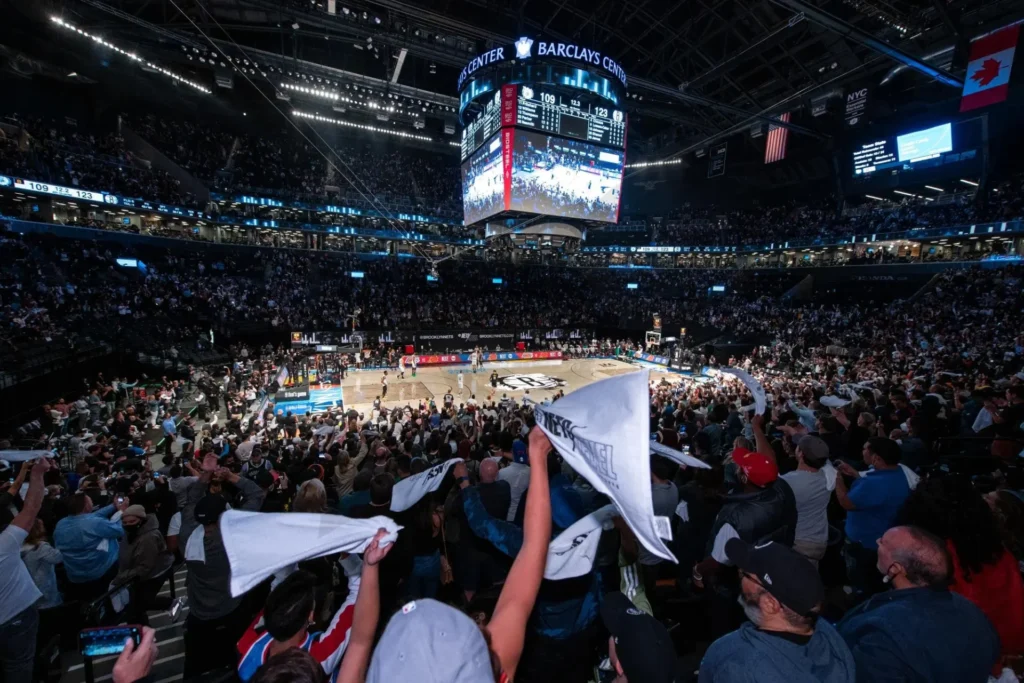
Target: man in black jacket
(762, 509)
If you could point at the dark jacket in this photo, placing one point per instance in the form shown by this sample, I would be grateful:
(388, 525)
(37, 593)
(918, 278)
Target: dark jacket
(563, 608)
(759, 517)
(920, 635)
(143, 555)
(209, 581)
(749, 655)
(249, 497)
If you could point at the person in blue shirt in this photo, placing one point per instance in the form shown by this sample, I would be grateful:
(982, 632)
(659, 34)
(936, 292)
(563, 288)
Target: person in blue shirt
(170, 429)
(871, 502)
(88, 541)
(919, 630)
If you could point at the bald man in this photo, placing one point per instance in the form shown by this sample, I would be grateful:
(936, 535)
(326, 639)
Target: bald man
(489, 471)
(481, 564)
(919, 630)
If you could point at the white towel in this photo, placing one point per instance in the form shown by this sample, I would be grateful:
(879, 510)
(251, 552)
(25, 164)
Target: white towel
(259, 544)
(195, 550)
(572, 552)
(411, 490)
(23, 456)
(603, 432)
(753, 385)
(833, 402)
(678, 456)
(983, 420)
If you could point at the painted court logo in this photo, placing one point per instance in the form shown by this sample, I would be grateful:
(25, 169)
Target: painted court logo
(533, 381)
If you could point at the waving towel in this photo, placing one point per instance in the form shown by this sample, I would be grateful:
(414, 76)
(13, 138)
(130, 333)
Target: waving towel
(258, 544)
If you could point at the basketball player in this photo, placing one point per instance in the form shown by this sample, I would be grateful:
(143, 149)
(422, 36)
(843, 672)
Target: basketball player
(461, 382)
(384, 386)
(414, 364)
(401, 367)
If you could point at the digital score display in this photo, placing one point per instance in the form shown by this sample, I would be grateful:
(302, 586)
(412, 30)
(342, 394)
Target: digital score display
(873, 156)
(482, 127)
(570, 115)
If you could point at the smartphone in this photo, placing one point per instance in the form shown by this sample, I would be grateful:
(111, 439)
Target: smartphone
(109, 640)
(120, 499)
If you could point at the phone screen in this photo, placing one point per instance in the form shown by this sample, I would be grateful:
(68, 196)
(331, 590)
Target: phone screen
(97, 642)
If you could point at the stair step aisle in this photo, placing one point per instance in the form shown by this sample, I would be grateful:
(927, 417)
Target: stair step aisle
(170, 638)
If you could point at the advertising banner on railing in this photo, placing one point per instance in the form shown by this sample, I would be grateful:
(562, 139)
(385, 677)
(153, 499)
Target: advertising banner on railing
(651, 358)
(463, 358)
(431, 341)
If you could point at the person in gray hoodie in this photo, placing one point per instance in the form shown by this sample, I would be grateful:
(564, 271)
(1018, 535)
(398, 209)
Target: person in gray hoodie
(784, 641)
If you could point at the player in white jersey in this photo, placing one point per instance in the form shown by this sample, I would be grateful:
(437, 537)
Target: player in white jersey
(401, 367)
(414, 364)
(461, 382)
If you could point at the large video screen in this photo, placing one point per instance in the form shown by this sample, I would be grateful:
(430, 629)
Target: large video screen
(483, 183)
(931, 148)
(567, 178)
(925, 144)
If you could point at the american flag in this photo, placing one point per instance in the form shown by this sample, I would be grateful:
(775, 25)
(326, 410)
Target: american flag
(778, 136)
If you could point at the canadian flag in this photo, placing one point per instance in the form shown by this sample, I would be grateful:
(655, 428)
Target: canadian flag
(988, 73)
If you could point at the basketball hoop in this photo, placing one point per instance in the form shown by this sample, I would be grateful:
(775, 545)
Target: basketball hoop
(653, 338)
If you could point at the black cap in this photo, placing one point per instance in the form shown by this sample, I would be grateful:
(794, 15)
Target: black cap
(787, 575)
(210, 508)
(642, 643)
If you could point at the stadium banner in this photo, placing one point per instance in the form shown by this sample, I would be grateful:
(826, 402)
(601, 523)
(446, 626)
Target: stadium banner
(438, 341)
(988, 72)
(651, 358)
(507, 140)
(464, 358)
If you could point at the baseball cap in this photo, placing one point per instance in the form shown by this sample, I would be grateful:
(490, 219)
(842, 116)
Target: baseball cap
(642, 643)
(783, 572)
(430, 642)
(760, 469)
(209, 509)
(812, 447)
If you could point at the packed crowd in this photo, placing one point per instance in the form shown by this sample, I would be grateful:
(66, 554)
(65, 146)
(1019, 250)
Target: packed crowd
(275, 165)
(816, 541)
(819, 222)
(280, 165)
(65, 289)
(57, 151)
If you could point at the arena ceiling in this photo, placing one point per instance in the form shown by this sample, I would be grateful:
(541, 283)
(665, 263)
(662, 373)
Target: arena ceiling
(698, 69)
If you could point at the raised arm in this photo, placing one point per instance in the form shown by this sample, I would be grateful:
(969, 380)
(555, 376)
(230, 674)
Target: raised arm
(366, 615)
(34, 497)
(764, 447)
(508, 625)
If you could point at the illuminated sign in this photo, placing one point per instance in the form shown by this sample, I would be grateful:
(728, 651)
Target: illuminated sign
(526, 48)
(60, 191)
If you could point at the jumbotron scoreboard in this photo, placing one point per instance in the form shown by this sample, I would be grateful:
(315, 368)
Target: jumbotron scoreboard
(544, 132)
(551, 110)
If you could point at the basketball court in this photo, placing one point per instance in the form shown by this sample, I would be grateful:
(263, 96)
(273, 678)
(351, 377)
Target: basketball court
(542, 379)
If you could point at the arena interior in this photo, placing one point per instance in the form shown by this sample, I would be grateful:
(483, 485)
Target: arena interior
(553, 341)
